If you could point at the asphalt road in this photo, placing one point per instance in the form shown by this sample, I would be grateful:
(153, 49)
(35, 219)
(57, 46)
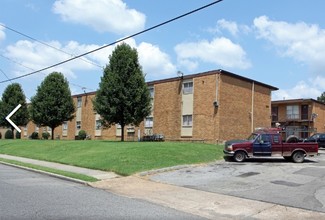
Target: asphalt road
(29, 195)
(270, 180)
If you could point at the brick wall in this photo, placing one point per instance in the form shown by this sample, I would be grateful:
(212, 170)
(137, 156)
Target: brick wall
(205, 117)
(230, 120)
(167, 109)
(237, 113)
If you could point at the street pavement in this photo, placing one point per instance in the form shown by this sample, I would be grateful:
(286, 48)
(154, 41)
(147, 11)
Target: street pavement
(26, 195)
(209, 205)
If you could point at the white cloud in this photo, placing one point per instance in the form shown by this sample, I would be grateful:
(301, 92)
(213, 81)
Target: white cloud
(156, 64)
(220, 51)
(303, 42)
(102, 15)
(310, 89)
(37, 56)
(232, 27)
(2, 33)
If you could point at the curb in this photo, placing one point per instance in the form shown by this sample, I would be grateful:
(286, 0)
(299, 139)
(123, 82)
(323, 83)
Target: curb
(47, 173)
(179, 167)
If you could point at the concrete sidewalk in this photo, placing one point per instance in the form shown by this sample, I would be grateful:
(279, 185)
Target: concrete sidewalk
(98, 174)
(200, 203)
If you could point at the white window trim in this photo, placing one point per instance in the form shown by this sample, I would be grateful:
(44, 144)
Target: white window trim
(148, 122)
(186, 122)
(98, 125)
(78, 125)
(293, 111)
(79, 102)
(65, 126)
(152, 92)
(187, 89)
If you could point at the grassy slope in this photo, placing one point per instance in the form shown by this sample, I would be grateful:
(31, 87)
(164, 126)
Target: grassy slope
(124, 158)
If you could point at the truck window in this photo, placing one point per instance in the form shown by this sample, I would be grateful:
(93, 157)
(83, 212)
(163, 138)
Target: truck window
(252, 137)
(276, 139)
(265, 138)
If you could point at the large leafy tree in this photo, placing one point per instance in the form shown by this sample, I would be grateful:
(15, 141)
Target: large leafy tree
(11, 97)
(321, 98)
(52, 104)
(123, 97)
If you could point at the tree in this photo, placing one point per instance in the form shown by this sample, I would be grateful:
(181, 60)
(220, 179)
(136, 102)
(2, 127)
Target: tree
(11, 97)
(321, 98)
(123, 97)
(52, 104)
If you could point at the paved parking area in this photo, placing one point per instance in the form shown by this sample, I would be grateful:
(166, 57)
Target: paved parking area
(271, 180)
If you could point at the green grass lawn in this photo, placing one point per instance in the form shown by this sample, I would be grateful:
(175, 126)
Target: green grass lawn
(124, 158)
(50, 170)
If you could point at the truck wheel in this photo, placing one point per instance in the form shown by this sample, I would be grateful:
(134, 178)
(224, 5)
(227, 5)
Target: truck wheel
(298, 157)
(239, 156)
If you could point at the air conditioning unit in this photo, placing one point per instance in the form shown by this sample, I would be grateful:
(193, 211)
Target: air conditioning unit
(216, 104)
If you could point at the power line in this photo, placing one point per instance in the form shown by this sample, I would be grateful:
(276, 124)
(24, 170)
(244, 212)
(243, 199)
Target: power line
(11, 60)
(48, 45)
(115, 42)
(5, 75)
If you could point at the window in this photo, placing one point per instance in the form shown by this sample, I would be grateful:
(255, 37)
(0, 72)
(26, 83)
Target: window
(65, 126)
(98, 125)
(187, 120)
(79, 102)
(304, 112)
(152, 92)
(188, 88)
(25, 130)
(149, 122)
(78, 125)
(275, 111)
(276, 139)
(292, 112)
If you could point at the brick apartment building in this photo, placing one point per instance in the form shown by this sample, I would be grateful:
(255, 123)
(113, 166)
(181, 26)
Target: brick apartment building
(300, 117)
(211, 106)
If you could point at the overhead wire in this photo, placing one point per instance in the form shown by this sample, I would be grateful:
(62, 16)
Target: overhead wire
(48, 45)
(117, 41)
(20, 64)
(5, 74)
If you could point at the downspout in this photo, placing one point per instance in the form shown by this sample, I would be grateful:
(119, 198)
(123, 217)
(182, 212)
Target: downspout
(252, 111)
(216, 136)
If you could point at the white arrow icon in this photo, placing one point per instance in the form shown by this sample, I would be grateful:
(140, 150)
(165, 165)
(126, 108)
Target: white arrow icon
(11, 113)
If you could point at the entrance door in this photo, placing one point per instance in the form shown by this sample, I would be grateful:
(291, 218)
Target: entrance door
(304, 112)
(262, 146)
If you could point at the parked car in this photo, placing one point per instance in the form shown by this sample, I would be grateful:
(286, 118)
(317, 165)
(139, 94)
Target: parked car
(319, 138)
(269, 144)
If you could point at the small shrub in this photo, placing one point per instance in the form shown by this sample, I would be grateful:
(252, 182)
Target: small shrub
(82, 135)
(9, 135)
(18, 135)
(45, 135)
(34, 135)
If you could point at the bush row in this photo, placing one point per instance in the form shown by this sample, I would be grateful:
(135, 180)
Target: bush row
(82, 135)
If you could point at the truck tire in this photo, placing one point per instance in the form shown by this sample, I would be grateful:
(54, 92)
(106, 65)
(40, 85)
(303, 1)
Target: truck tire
(298, 157)
(240, 156)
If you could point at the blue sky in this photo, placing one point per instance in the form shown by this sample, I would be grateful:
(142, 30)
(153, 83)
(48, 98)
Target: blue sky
(280, 43)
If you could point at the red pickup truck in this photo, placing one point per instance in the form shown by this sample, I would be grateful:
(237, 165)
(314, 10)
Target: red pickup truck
(269, 144)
